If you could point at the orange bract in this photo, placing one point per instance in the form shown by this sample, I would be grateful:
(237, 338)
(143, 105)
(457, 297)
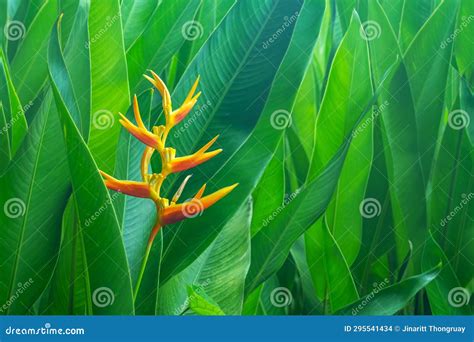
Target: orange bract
(168, 210)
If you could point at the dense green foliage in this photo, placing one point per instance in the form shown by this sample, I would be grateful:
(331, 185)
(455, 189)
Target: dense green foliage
(347, 124)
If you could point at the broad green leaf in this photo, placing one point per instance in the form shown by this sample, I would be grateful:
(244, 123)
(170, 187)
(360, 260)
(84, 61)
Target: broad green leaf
(271, 245)
(29, 69)
(165, 32)
(394, 11)
(341, 287)
(135, 15)
(344, 9)
(463, 41)
(443, 292)
(15, 126)
(77, 60)
(219, 272)
(389, 300)
(268, 196)
(450, 195)
(348, 92)
(414, 15)
(109, 80)
(406, 184)
(34, 192)
(245, 157)
(201, 305)
(427, 63)
(109, 276)
(69, 291)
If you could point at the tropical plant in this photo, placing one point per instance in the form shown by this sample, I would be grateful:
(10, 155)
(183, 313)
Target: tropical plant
(346, 124)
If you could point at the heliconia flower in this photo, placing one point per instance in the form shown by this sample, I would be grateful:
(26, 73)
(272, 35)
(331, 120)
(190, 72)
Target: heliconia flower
(139, 131)
(176, 116)
(168, 211)
(131, 188)
(194, 207)
(177, 164)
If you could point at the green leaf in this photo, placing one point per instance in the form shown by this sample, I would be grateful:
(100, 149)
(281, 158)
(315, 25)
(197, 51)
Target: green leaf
(243, 163)
(463, 41)
(347, 93)
(109, 80)
(29, 69)
(69, 290)
(389, 300)
(406, 183)
(269, 193)
(220, 271)
(427, 64)
(442, 291)
(162, 37)
(135, 16)
(15, 127)
(35, 188)
(341, 287)
(110, 282)
(202, 305)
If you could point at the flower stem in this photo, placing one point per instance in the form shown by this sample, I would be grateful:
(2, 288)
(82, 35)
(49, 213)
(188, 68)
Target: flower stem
(153, 234)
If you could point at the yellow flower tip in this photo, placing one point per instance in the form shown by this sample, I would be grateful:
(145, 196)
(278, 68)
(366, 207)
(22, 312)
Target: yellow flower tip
(193, 89)
(200, 192)
(180, 190)
(136, 112)
(209, 200)
(188, 162)
(208, 145)
(160, 85)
